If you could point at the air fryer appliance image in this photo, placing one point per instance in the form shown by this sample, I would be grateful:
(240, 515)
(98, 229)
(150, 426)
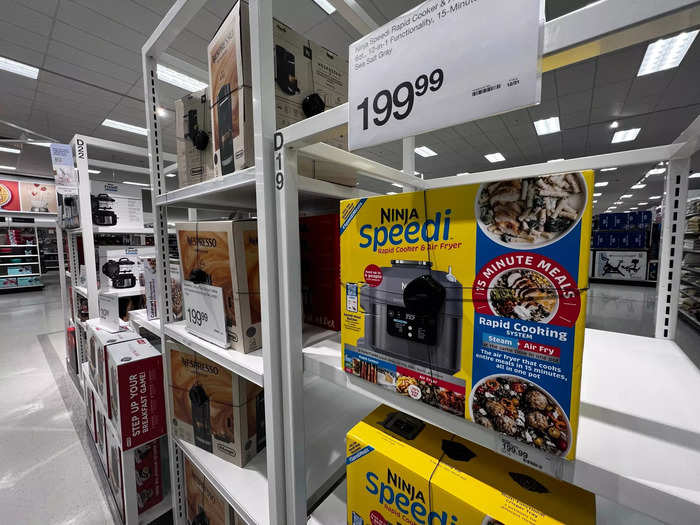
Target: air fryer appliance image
(102, 214)
(225, 130)
(120, 272)
(415, 315)
(201, 417)
(285, 71)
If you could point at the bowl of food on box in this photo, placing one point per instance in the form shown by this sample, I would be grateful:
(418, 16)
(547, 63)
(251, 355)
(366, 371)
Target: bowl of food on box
(523, 293)
(529, 213)
(488, 520)
(522, 410)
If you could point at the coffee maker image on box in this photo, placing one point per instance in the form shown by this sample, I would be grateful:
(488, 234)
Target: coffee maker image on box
(102, 213)
(285, 71)
(201, 417)
(225, 129)
(120, 272)
(415, 315)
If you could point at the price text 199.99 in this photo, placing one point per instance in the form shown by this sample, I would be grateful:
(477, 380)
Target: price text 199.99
(401, 99)
(197, 316)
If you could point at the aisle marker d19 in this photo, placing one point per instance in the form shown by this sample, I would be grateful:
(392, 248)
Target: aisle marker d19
(443, 63)
(204, 312)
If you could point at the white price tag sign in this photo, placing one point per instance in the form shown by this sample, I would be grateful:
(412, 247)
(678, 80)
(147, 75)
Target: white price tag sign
(443, 63)
(109, 312)
(204, 312)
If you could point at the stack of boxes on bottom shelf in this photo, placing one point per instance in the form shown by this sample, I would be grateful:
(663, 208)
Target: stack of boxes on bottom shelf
(204, 505)
(622, 231)
(125, 403)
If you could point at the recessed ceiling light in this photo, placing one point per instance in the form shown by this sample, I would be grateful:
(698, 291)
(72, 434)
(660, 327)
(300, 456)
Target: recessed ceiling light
(601, 184)
(11, 168)
(638, 186)
(617, 202)
(625, 135)
(654, 197)
(495, 157)
(137, 183)
(626, 196)
(425, 151)
(633, 208)
(326, 6)
(597, 194)
(162, 112)
(10, 150)
(171, 175)
(124, 126)
(642, 203)
(694, 175)
(94, 172)
(7, 64)
(614, 125)
(179, 79)
(546, 126)
(656, 171)
(555, 160)
(666, 53)
(608, 169)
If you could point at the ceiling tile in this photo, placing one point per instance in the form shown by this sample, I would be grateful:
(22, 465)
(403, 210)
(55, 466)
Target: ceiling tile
(574, 120)
(22, 37)
(86, 75)
(90, 62)
(578, 77)
(21, 54)
(575, 102)
(29, 19)
(620, 65)
(125, 13)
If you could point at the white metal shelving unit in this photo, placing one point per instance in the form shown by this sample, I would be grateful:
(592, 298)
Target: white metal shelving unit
(31, 260)
(617, 412)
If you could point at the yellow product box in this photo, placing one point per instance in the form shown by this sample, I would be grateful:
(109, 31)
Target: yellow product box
(400, 470)
(472, 299)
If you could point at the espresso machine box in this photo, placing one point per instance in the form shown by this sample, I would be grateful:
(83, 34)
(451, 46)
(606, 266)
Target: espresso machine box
(213, 408)
(195, 157)
(472, 299)
(205, 505)
(119, 267)
(225, 254)
(116, 206)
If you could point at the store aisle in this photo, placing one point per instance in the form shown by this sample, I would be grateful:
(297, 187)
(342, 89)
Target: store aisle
(48, 474)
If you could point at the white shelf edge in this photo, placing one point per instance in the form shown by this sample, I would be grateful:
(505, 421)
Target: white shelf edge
(112, 229)
(237, 179)
(140, 318)
(125, 292)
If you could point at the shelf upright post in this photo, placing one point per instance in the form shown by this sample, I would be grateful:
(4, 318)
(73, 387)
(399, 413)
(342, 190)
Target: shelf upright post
(671, 249)
(62, 277)
(264, 126)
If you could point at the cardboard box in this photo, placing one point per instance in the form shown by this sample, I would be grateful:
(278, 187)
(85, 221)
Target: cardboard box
(150, 285)
(203, 503)
(116, 206)
(176, 289)
(192, 124)
(99, 340)
(302, 69)
(119, 267)
(637, 239)
(90, 416)
(225, 254)
(101, 433)
(320, 270)
(213, 408)
(401, 470)
(448, 295)
(136, 404)
(620, 221)
(606, 221)
(623, 240)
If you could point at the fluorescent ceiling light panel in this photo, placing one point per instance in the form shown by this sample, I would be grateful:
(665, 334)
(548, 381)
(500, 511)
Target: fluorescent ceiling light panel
(391, 193)
(555, 160)
(326, 6)
(666, 53)
(638, 186)
(612, 208)
(495, 157)
(179, 79)
(43, 144)
(626, 196)
(594, 202)
(654, 197)
(608, 169)
(642, 203)
(137, 183)
(11, 168)
(597, 194)
(656, 171)
(397, 185)
(94, 172)
(124, 127)
(18, 68)
(601, 184)
(10, 150)
(617, 202)
(547, 126)
(425, 151)
(171, 175)
(633, 208)
(694, 175)
(626, 135)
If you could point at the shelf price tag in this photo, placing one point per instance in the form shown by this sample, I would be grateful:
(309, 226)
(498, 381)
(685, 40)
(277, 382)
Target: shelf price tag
(204, 312)
(443, 63)
(109, 312)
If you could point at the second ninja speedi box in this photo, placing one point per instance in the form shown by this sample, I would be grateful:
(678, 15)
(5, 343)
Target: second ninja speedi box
(472, 299)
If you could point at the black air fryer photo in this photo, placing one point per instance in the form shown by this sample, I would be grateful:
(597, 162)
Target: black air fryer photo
(102, 213)
(120, 272)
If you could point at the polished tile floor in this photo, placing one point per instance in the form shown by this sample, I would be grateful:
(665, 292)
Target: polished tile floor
(48, 472)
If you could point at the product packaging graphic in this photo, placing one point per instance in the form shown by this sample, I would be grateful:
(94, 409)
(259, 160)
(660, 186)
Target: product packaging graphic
(175, 289)
(204, 504)
(225, 254)
(472, 299)
(116, 206)
(136, 404)
(119, 267)
(400, 470)
(150, 285)
(195, 158)
(213, 408)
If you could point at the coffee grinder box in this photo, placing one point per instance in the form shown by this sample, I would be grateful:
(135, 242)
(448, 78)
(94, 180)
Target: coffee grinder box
(204, 504)
(213, 408)
(402, 470)
(150, 285)
(225, 254)
(135, 392)
(472, 299)
(195, 157)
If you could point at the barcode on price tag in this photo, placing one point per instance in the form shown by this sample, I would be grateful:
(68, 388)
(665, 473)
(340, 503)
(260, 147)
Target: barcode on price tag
(204, 312)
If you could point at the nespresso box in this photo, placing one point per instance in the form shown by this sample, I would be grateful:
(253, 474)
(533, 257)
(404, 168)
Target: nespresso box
(195, 158)
(320, 270)
(213, 408)
(98, 340)
(135, 392)
(402, 470)
(308, 80)
(225, 254)
(176, 290)
(205, 506)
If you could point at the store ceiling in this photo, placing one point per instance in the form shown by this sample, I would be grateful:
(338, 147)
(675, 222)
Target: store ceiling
(89, 55)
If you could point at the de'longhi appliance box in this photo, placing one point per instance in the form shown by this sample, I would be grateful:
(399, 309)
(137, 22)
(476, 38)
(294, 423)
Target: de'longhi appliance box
(225, 254)
(195, 157)
(400, 470)
(213, 408)
(472, 299)
(204, 504)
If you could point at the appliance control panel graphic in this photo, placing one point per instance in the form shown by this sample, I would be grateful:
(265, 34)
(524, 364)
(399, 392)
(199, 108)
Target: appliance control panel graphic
(407, 325)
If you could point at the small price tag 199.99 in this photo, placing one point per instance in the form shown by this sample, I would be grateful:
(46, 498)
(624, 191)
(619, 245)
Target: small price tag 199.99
(204, 312)
(109, 312)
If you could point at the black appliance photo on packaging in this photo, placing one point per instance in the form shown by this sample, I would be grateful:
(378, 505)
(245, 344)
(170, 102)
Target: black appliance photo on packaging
(102, 213)
(415, 315)
(201, 518)
(120, 272)
(201, 417)
(225, 129)
(285, 71)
